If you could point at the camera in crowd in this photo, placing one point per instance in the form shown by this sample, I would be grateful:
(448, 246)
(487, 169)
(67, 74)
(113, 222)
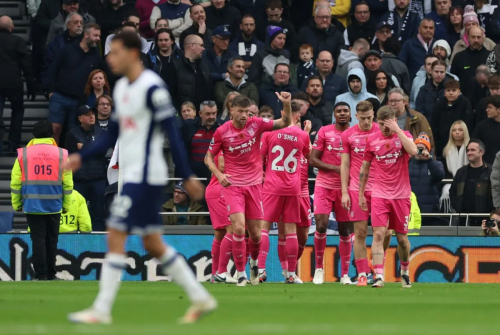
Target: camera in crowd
(490, 226)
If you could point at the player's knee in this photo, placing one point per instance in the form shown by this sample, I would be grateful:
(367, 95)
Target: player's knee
(345, 228)
(378, 236)
(321, 228)
(361, 233)
(402, 240)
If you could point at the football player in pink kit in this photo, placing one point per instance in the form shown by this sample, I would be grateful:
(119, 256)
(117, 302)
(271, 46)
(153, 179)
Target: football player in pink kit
(354, 141)
(242, 180)
(390, 151)
(283, 151)
(327, 191)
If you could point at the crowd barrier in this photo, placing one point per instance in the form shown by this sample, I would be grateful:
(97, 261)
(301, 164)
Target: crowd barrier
(436, 259)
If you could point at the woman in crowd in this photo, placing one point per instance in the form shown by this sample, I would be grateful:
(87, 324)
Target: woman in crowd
(227, 106)
(380, 86)
(455, 22)
(97, 85)
(188, 111)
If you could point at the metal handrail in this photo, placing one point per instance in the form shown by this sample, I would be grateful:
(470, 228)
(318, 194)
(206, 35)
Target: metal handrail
(445, 181)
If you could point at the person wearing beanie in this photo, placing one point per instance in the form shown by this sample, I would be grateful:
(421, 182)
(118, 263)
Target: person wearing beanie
(264, 62)
(441, 49)
(181, 203)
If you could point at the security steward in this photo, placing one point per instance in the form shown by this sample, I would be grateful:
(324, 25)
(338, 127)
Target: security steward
(77, 218)
(42, 190)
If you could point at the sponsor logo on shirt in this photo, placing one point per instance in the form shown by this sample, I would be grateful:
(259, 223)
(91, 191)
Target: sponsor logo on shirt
(245, 147)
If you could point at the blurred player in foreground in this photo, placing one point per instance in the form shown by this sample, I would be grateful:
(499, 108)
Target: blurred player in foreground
(354, 141)
(327, 193)
(390, 151)
(242, 177)
(284, 150)
(143, 112)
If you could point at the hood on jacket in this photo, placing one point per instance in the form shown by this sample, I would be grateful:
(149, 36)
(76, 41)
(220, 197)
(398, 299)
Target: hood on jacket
(47, 140)
(345, 56)
(358, 73)
(443, 44)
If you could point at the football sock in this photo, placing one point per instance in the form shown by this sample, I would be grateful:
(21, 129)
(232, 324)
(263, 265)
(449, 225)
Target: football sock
(109, 283)
(239, 250)
(282, 254)
(319, 248)
(292, 249)
(264, 249)
(301, 251)
(362, 266)
(345, 247)
(247, 250)
(405, 267)
(226, 248)
(254, 248)
(215, 255)
(379, 271)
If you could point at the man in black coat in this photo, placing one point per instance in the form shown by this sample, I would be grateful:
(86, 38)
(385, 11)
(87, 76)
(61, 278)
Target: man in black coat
(15, 63)
(113, 16)
(320, 107)
(221, 14)
(362, 26)
(199, 27)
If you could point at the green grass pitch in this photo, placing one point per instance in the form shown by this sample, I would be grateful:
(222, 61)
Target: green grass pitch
(154, 307)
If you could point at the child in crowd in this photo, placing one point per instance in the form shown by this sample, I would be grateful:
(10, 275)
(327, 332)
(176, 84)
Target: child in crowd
(266, 112)
(306, 66)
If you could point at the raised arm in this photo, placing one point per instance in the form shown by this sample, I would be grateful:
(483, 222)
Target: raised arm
(407, 142)
(286, 118)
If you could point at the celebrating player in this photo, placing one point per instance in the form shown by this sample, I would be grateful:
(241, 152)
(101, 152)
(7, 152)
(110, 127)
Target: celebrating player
(327, 191)
(143, 111)
(242, 180)
(284, 150)
(390, 151)
(354, 140)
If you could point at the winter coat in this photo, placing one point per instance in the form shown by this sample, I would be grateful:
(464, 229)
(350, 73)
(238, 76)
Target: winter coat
(111, 18)
(487, 131)
(493, 26)
(330, 40)
(47, 11)
(461, 46)
(267, 96)
(419, 81)
(425, 177)
(223, 88)
(264, 61)
(288, 29)
(377, 8)
(57, 25)
(304, 71)
(154, 61)
(185, 85)
(483, 198)
(217, 69)
(323, 110)
(416, 123)
(465, 63)
(440, 24)
(333, 86)
(245, 49)
(15, 61)
(495, 181)
(356, 30)
(353, 99)
(340, 11)
(193, 30)
(194, 220)
(392, 64)
(428, 96)
(316, 123)
(411, 28)
(347, 61)
(227, 16)
(413, 55)
(145, 8)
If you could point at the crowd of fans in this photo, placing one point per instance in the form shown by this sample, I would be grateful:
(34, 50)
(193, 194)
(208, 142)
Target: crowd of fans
(435, 62)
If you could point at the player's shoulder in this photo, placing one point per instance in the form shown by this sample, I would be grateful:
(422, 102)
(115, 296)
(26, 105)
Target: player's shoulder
(373, 136)
(408, 134)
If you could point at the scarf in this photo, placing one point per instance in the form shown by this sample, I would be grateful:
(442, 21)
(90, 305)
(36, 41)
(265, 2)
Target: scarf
(425, 45)
(455, 159)
(393, 19)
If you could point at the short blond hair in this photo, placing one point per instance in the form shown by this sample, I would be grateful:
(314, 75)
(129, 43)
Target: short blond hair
(386, 113)
(364, 106)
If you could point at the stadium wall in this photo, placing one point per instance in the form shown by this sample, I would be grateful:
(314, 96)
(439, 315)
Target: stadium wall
(433, 259)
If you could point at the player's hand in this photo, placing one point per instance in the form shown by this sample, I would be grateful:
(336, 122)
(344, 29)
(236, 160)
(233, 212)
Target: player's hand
(363, 204)
(222, 178)
(194, 188)
(284, 97)
(74, 162)
(20, 209)
(307, 126)
(346, 201)
(392, 125)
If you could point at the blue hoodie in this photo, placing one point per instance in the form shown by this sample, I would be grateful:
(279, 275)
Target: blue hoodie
(353, 99)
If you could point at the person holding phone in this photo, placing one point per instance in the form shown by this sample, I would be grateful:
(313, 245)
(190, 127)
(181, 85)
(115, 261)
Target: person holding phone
(490, 226)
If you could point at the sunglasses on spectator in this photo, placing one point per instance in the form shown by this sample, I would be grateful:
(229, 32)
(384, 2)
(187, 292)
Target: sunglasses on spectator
(209, 103)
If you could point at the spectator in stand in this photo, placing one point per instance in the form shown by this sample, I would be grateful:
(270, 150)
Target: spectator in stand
(373, 62)
(145, 8)
(382, 33)
(306, 66)
(262, 69)
(439, 16)
(488, 130)
(363, 26)
(493, 26)
(465, 62)
(221, 14)
(246, 43)
(333, 85)
(266, 112)
(453, 107)
(176, 12)
(104, 105)
(217, 56)
(199, 26)
(114, 14)
(197, 135)
(191, 77)
(357, 92)
(392, 64)
(15, 63)
(338, 9)
(432, 90)
(306, 114)
(426, 174)
(255, 8)
(409, 119)
(321, 33)
(381, 86)
(97, 85)
(235, 82)
(188, 111)
(470, 191)
(416, 48)
(225, 115)
(454, 153)
(441, 49)
(404, 22)
(267, 94)
(494, 89)
(351, 59)
(68, 75)
(57, 24)
(131, 25)
(181, 203)
(492, 231)
(455, 24)
(90, 180)
(478, 86)
(73, 32)
(495, 181)
(377, 8)
(253, 109)
(320, 107)
(161, 58)
(160, 24)
(485, 11)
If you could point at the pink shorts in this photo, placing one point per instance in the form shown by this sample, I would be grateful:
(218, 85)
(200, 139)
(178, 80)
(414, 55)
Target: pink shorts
(244, 199)
(281, 208)
(218, 212)
(397, 211)
(326, 200)
(305, 212)
(356, 213)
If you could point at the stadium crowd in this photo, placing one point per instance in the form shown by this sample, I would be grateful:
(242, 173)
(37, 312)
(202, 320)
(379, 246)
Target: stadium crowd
(434, 62)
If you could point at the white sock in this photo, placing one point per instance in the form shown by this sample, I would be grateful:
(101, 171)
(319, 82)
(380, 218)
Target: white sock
(405, 272)
(242, 274)
(254, 262)
(109, 283)
(174, 265)
(362, 274)
(261, 271)
(291, 274)
(380, 276)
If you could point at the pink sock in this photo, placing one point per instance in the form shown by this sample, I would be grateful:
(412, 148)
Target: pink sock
(239, 252)
(379, 269)
(264, 249)
(362, 265)
(292, 249)
(254, 248)
(319, 248)
(301, 251)
(247, 250)
(345, 247)
(215, 255)
(282, 254)
(226, 249)
(405, 266)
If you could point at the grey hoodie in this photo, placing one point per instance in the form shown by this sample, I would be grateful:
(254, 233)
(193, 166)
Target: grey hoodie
(347, 61)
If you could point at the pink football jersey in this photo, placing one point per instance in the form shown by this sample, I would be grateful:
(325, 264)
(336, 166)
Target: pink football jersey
(329, 141)
(213, 189)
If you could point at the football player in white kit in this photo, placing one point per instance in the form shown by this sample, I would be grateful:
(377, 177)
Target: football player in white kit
(143, 111)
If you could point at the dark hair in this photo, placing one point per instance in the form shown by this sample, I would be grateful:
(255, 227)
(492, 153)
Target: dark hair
(341, 103)
(162, 31)
(392, 45)
(361, 3)
(300, 95)
(266, 109)
(295, 107)
(479, 142)
(129, 24)
(458, 9)
(494, 81)
(133, 12)
(273, 4)
(438, 62)
(375, 103)
(162, 19)
(314, 78)
(430, 56)
(371, 86)
(231, 61)
(241, 101)
(104, 96)
(247, 16)
(43, 129)
(129, 40)
(493, 100)
(496, 211)
(89, 26)
(452, 83)
(281, 64)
